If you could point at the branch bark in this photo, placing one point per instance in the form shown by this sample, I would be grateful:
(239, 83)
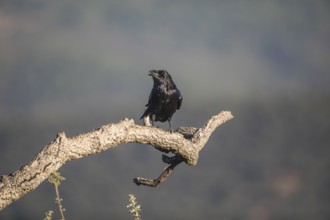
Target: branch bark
(185, 143)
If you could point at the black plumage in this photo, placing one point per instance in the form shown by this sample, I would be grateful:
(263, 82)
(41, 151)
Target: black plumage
(165, 98)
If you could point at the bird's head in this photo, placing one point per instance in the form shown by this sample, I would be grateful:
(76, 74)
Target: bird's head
(160, 76)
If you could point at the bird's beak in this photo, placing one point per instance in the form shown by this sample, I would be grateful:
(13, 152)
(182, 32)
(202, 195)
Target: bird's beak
(152, 73)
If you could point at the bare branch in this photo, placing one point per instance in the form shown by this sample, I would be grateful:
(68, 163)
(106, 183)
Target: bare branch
(185, 143)
(172, 161)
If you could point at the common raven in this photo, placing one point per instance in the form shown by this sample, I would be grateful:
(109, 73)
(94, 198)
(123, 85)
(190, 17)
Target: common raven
(165, 98)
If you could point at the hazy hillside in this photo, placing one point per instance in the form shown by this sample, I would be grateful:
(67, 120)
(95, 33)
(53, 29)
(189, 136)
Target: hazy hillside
(74, 65)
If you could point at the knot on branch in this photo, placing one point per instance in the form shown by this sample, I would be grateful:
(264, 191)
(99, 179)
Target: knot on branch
(60, 137)
(187, 132)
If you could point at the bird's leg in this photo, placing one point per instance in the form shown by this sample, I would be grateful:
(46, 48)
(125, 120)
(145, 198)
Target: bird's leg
(152, 120)
(170, 128)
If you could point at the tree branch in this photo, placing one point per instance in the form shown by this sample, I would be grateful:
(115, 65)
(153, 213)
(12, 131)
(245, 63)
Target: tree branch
(172, 161)
(185, 143)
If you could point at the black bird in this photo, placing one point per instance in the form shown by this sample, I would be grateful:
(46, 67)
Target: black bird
(165, 98)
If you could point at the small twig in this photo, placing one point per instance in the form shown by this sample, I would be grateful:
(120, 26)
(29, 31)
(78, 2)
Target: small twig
(173, 161)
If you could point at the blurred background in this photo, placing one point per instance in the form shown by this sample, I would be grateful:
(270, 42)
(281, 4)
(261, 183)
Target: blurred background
(73, 66)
